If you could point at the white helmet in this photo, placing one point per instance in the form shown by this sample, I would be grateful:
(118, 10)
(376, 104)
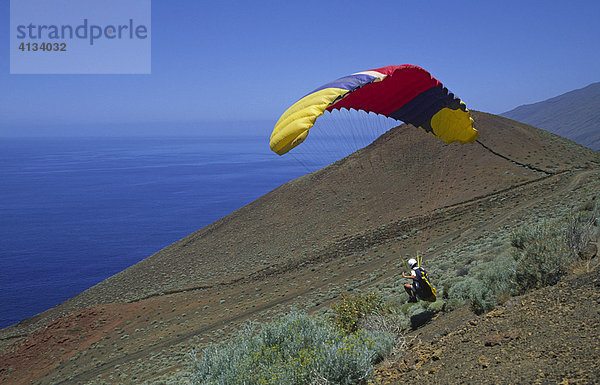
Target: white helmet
(412, 263)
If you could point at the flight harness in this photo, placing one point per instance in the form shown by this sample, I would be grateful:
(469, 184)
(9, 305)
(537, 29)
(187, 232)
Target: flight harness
(425, 290)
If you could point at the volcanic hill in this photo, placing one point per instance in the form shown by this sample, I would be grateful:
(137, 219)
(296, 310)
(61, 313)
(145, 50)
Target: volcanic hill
(303, 244)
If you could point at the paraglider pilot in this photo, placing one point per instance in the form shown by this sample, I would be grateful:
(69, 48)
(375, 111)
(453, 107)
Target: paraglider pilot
(420, 288)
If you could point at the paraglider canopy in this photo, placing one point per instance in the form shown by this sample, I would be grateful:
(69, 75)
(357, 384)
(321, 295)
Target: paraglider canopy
(403, 92)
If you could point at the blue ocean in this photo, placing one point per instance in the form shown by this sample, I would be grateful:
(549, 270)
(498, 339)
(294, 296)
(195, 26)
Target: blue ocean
(74, 211)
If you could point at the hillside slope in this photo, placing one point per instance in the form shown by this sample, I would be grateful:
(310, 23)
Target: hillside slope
(574, 115)
(303, 244)
(391, 179)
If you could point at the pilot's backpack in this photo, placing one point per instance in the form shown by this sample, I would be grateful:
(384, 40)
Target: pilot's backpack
(425, 290)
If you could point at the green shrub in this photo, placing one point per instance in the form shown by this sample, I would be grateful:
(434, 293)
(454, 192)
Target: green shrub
(521, 238)
(499, 276)
(541, 263)
(453, 304)
(480, 296)
(445, 285)
(437, 306)
(392, 322)
(494, 280)
(408, 307)
(542, 260)
(296, 349)
(580, 228)
(349, 311)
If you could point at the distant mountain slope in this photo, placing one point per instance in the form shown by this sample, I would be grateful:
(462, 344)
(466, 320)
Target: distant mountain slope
(574, 115)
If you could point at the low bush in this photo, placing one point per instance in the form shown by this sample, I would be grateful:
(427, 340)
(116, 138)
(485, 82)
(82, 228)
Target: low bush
(296, 349)
(543, 258)
(494, 280)
(437, 306)
(393, 323)
(349, 311)
(581, 228)
(408, 307)
(540, 257)
(499, 276)
(475, 292)
(453, 304)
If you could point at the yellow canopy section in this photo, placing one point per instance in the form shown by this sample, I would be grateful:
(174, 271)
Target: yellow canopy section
(454, 125)
(292, 127)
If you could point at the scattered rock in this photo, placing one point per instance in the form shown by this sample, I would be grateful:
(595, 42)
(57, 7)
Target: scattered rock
(493, 340)
(483, 361)
(512, 334)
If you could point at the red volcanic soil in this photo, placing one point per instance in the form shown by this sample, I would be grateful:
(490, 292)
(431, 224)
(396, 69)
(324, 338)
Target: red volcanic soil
(34, 356)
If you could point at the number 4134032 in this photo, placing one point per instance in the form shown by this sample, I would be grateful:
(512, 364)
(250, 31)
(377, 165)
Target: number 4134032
(47, 47)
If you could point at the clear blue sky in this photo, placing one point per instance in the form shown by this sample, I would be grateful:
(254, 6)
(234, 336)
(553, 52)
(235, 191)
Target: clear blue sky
(249, 60)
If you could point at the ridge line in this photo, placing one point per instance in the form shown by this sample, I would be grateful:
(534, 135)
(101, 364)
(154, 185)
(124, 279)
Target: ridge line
(514, 161)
